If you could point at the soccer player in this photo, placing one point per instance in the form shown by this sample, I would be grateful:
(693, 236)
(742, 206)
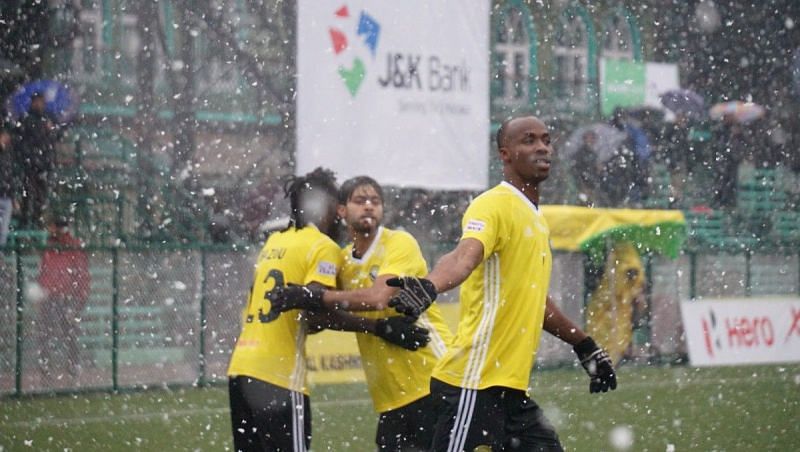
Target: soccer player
(503, 264)
(267, 384)
(398, 379)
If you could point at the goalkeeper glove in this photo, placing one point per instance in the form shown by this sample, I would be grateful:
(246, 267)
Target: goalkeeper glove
(401, 331)
(597, 364)
(414, 297)
(284, 298)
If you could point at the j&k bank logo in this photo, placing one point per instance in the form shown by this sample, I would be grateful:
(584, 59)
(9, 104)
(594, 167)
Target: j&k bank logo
(367, 33)
(354, 42)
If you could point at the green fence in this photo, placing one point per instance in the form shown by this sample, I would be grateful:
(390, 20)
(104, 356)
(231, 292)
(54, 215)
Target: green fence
(170, 315)
(153, 317)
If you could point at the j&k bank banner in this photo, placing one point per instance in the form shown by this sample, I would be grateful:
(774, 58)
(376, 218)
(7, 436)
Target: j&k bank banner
(397, 90)
(742, 331)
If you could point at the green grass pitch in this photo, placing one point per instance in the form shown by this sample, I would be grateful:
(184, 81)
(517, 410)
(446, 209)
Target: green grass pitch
(654, 409)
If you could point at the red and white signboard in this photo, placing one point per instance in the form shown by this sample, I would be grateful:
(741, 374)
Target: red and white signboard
(742, 331)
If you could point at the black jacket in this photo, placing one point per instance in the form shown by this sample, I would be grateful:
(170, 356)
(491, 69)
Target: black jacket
(35, 146)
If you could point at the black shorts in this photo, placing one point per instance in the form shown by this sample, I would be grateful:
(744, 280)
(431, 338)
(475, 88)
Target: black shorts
(408, 428)
(498, 418)
(265, 417)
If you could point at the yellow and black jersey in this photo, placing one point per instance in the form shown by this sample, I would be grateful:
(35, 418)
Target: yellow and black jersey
(275, 351)
(503, 300)
(395, 376)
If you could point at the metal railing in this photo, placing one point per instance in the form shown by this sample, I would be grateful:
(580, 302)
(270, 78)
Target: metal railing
(152, 316)
(171, 314)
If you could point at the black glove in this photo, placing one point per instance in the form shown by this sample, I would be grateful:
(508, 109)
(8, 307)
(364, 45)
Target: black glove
(401, 331)
(415, 296)
(284, 298)
(597, 364)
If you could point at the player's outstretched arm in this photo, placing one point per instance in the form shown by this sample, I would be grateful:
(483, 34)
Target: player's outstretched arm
(414, 297)
(373, 298)
(398, 330)
(417, 294)
(595, 361)
(454, 267)
(285, 298)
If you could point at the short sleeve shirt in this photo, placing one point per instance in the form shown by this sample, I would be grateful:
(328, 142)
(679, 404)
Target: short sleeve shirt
(503, 300)
(275, 352)
(395, 376)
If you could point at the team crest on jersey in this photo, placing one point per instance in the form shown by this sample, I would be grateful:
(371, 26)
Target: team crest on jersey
(326, 268)
(373, 273)
(474, 226)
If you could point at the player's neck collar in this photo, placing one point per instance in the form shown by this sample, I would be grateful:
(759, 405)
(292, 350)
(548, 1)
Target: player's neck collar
(369, 250)
(518, 192)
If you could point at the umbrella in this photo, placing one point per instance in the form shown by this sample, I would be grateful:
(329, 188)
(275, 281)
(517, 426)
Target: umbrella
(741, 112)
(609, 140)
(684, 101)
(61, 103)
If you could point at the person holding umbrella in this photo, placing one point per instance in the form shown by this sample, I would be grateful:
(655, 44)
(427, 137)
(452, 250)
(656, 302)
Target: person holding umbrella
(585, 168)
(677, 151)
(732, 140)
(36, 157)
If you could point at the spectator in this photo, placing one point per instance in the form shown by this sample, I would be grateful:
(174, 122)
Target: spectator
(585, 168)
(65, 282)
(416, 216)
(617, 177)
(634, 165)
(220, 229)
(7, 177)
(778, 154)
(36, 156)
(726, 151)
(675, 152)
(257, 207)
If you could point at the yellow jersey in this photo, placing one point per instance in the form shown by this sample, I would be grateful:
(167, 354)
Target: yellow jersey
(275, 352)
(503, 299)
(395, 376)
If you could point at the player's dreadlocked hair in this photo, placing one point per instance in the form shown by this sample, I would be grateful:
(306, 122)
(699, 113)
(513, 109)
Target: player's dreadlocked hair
(319, 179)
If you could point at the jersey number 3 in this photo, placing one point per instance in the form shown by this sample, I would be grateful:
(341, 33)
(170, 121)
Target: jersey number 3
(277, 277)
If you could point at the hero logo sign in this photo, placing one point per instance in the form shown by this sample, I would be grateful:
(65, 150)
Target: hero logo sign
(743, 332)
(794, 329)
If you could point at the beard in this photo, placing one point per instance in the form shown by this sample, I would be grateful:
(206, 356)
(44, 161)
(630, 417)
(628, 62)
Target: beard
(361, 226)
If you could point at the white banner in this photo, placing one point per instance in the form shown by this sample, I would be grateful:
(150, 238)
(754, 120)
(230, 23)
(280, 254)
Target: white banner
(742, 331)
(397, 90)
